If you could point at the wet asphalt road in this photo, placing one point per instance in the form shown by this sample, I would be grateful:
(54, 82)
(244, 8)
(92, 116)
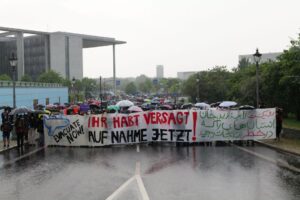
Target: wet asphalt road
(168, 172)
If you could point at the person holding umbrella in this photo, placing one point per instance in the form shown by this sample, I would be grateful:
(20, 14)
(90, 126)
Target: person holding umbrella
(20, 127)
(6, 128)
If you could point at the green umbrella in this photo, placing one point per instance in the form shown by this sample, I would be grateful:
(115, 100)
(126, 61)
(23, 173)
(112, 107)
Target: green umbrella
(113, 107)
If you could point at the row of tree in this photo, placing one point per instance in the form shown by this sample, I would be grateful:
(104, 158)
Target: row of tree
(279, 83)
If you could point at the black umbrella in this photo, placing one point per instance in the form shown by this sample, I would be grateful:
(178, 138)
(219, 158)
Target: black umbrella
(246, 107)
(94, 106)
(187, 106)
(20, 110)
(5, 107)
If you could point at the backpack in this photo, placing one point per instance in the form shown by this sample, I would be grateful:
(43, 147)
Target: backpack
(5, 127)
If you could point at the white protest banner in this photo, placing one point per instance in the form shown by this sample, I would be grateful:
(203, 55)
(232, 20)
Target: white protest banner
(160, 126)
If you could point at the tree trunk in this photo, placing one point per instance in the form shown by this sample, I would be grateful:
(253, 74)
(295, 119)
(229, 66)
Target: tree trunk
(298, 115)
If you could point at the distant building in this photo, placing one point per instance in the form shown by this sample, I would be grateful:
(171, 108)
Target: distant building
(38, 52)
(185, 75)
(266, 57)
(159, 71)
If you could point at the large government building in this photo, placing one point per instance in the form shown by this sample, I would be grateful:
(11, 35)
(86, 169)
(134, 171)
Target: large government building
(37, 51)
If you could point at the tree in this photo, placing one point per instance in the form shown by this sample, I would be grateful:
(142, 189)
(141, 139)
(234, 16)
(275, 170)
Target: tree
(50, 77)
(290, 80)
(209, 86)
(131, 88)
(5, 77)
(146, 86)
(144, 83)
(26, 78)
(89, 86)
(244, 62)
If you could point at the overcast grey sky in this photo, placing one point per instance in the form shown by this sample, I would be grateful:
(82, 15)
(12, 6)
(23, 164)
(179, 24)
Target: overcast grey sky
(182, 35)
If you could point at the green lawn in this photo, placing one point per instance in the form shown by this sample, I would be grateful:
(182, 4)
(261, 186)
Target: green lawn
(291, 123)
(286, 143)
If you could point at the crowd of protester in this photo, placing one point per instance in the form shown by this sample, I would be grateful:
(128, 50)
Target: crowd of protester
(25, 126)
(28, 126)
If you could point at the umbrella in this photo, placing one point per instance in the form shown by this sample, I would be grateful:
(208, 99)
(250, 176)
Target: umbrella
(228, 104)
(84, 107)
(124, 103)
(113, 107)
(155, 101)
(67, 104)
(147, 100)
(187, 106)
(246, 107)
(51, 106)
(166, 107)
(202, 105)
(5, 107)
(20, 110)
(135, 109)
(94, 106)
(213, 105)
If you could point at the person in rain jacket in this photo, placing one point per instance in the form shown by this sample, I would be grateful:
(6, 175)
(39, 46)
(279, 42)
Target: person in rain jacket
(6, 129)
(20, 127)
(40, 129)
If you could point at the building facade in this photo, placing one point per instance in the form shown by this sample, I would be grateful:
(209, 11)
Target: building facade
(265, 57)
(159, 71)
(185, 75)
(38, 52)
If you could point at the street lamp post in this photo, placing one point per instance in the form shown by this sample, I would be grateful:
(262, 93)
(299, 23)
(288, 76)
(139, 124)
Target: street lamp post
(13, 61)
(73, 86)
(198, 89)
(100, 95)
(257, 57)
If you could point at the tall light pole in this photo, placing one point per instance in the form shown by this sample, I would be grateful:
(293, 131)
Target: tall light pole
(13, 61)
(73, 86)
(257, 57)
(198, 88)
(100, 95)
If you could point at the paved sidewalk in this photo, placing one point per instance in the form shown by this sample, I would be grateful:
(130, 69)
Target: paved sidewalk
(285, 144)
(12, 144)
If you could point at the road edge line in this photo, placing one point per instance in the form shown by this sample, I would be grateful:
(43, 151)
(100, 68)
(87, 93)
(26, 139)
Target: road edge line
(277, 161)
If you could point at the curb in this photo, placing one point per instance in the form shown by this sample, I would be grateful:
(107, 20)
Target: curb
(277, 148)
(7, 149)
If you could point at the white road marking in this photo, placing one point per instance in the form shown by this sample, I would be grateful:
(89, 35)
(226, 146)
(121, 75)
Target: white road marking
(142, 187)
(120, 189)
(140, 183)
(277, 161)
(138, 148)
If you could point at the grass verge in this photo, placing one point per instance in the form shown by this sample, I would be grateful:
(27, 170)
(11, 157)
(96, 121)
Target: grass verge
(291, 123)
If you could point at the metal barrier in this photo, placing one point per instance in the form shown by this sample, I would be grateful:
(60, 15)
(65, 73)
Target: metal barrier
(29, 84)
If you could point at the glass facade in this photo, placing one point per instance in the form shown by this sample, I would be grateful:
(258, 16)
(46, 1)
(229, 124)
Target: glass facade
(36, 55)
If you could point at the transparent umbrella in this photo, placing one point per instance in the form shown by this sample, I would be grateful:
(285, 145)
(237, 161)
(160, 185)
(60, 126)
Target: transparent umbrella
(228, 104)
(135, 109)
(125, 103)
(202, 104)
